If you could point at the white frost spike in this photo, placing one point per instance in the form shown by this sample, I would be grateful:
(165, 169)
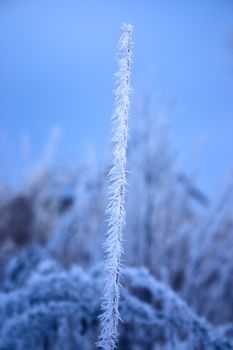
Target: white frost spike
(115, 210)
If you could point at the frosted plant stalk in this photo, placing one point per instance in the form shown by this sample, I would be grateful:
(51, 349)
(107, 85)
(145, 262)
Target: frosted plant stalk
(115, 210)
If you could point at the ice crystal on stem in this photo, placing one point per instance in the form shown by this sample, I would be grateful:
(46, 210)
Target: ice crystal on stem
(116, 208)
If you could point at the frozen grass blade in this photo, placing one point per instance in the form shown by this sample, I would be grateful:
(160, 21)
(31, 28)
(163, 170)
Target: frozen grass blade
(116, 208)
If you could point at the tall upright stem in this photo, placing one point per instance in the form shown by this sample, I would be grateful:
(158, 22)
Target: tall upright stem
(116, 207)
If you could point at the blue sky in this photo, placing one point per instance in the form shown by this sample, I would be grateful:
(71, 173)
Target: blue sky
(57, 64)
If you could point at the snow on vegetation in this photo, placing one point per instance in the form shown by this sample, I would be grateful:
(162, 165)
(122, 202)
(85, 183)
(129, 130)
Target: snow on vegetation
(168, 278)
